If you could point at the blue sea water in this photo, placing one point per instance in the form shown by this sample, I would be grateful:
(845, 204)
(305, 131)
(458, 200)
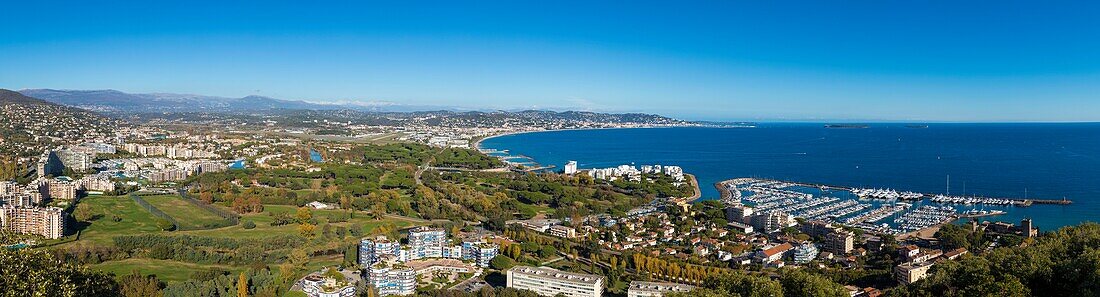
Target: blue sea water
(1041, 161)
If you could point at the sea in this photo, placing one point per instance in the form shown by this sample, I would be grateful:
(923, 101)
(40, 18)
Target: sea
(1017, 160)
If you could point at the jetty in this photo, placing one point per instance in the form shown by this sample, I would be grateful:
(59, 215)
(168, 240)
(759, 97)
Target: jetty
(1015, 201)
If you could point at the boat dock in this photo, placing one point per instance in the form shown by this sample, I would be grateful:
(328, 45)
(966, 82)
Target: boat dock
(1014, 201)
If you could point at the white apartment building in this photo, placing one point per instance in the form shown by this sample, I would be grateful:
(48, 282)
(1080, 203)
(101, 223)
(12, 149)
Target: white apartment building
(655, 289)
(552, 282)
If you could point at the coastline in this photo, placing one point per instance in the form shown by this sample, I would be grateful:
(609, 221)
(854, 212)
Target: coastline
(477, 143)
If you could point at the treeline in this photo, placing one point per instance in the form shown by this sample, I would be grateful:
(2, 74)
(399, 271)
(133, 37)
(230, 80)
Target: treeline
(208, 250)
(1065, 262)
(465, 158)
(260, 282)
(673, 270)
(789, 283)
(28, 272)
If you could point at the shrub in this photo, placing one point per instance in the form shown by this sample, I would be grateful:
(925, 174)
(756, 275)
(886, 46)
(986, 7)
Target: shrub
(248, 225)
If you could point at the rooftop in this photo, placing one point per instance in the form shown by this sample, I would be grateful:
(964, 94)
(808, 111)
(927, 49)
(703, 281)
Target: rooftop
(558, 274)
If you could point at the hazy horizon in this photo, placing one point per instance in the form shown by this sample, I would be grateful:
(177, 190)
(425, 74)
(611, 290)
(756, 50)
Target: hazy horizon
(803, 61)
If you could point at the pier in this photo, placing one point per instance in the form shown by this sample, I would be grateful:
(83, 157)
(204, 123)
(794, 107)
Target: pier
(1015, 201)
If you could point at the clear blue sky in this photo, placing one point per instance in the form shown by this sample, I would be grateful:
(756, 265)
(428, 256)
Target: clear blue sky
(765, 60)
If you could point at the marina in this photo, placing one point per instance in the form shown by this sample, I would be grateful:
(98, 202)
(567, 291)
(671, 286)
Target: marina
(875, 210)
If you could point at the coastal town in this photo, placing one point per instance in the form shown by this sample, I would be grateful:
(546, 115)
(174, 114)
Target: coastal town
(428, 209)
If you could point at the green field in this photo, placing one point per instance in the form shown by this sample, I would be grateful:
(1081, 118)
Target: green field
(264, 228)
(188, 215)
(165, 270)
(134, 219)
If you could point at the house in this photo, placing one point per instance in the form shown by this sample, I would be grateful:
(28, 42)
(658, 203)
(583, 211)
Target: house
(773, 254)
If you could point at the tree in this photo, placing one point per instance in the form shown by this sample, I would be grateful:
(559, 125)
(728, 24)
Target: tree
(304, 215)
(738, 284)
(242, 285)
(83, 213)
(351, 255)
(27, 272)
(298, 257)
(501, 262)
(306, 230)
(136, 285)
(797, 283)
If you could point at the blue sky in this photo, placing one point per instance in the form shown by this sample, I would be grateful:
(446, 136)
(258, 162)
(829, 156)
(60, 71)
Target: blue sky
(748, 60)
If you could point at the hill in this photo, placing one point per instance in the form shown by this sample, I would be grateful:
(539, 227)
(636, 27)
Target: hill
(28, 125)
(113, 101)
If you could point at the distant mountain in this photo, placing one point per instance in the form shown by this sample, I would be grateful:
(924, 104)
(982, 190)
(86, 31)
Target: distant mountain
(113, 101)
(176, 106)
(12, 97)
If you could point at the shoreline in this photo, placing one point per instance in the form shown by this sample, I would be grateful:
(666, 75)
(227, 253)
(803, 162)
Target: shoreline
(477, 143)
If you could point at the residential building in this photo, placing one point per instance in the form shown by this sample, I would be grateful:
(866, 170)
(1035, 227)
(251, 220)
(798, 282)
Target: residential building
(912, 272)
(390, 277)
(479, 252)
(772, 221)
(839, 241)
(78, 159)
(547, 281)
(562, 231)
(425, 242)
(738, 213)
(316, 285)
(61, 189)
(49, 222)
(655, 289)
(571, 167)
(805, 253)
(372, 250)
(773, 254)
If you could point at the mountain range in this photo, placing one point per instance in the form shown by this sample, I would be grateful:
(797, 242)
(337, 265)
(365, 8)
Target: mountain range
(112, 101)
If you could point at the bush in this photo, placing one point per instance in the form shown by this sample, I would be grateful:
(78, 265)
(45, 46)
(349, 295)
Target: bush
(166, 225)
(248, 225)
(502, 262)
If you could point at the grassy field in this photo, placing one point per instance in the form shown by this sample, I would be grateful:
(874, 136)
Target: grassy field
(134, 219)
(264, 228)
(187, 214)
(165, 270)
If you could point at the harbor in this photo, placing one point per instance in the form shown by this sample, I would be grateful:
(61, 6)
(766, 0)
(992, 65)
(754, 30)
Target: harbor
(874, 210)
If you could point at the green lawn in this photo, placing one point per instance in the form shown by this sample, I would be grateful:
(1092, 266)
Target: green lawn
(187, 214)
(165, 270)
(134, 219)
(264, 228)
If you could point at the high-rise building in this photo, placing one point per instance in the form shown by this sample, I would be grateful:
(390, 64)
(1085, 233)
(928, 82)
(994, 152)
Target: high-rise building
(839, 242)
(479, 252)
(79, 159)
(772, 221)
(426, 242)
(318, 285)
(655, 289)
(547, 281)
(805, 253)
(390, 277)
(49, 222)
(49, 164)
(372, 250)
(61, 189)
(571, 167)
